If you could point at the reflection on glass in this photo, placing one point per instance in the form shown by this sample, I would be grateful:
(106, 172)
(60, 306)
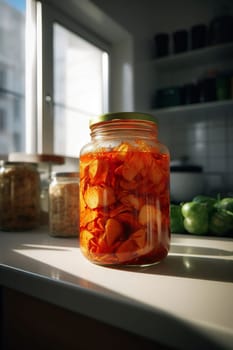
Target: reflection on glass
(80, 89)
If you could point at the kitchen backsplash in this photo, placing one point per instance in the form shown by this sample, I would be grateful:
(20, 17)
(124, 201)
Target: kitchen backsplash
(206, 139)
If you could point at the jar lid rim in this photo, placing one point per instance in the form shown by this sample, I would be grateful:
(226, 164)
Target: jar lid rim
(123, 116)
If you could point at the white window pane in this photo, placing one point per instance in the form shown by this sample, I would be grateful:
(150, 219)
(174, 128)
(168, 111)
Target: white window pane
(79, 89)
(71, 131)
(12, 75)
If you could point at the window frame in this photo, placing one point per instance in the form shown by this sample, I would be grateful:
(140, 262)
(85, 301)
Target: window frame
(89, 22)
(46, 18)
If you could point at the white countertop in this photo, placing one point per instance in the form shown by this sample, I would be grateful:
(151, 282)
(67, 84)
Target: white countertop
(186, 301)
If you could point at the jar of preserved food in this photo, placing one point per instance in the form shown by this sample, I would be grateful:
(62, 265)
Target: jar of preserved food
(45, 163)
(124, 192)
(64, 205)
(19, 196)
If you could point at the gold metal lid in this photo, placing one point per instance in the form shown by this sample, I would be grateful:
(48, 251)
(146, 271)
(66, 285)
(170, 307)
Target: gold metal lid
(122, 116)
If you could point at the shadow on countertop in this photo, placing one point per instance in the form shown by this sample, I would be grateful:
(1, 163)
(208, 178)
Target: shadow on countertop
(187, 261)
(195, 262)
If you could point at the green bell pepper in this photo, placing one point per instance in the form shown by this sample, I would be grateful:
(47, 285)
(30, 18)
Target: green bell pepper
(210, 202)
(176, 219)
(225, 203)
(221, 222)
(195, 217)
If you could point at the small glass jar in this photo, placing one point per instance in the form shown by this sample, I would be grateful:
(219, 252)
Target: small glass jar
(64, 205)
(124, 192)
(19, 196)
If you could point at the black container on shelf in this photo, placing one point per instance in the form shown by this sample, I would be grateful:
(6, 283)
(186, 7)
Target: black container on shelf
(223, 86)
(190, 93)
(180, 41)
(168, 97)
(207, 88)
(198, 36)
(221, 30)
(161, 44)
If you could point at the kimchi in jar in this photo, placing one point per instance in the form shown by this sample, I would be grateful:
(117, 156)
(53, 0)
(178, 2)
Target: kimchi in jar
(124, 192)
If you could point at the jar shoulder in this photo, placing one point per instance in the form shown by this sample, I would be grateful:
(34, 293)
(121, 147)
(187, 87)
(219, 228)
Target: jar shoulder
(137, 145)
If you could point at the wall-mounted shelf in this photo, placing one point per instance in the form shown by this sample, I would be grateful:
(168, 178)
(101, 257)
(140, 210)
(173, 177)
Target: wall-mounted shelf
(226, 104)
(210, 54)
(192, 66)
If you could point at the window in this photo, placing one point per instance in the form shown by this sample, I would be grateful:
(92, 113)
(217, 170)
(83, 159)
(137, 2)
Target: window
(12, 72)
(80, 89)
(66, 73)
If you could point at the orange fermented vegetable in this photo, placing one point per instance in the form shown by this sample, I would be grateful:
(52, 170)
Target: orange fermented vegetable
(99, 196)
(124, 204)
(149, 214)
(113, 231)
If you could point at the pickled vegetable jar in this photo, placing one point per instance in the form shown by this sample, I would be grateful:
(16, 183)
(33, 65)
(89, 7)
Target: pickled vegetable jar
(19, 196)
(64, 205)
(124, 192)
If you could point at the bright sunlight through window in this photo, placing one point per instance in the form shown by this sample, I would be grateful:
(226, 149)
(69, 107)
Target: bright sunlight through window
(80, 89)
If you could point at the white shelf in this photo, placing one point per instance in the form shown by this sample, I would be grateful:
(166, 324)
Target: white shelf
(210, 54)
(227, 104)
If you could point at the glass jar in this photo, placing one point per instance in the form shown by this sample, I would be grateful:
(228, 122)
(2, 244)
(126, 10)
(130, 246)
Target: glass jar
(124, 192)
(19, 196)
(64, 205)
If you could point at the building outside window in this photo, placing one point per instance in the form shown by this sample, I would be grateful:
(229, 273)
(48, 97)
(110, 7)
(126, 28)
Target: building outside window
(2, 120)
(12, 74)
